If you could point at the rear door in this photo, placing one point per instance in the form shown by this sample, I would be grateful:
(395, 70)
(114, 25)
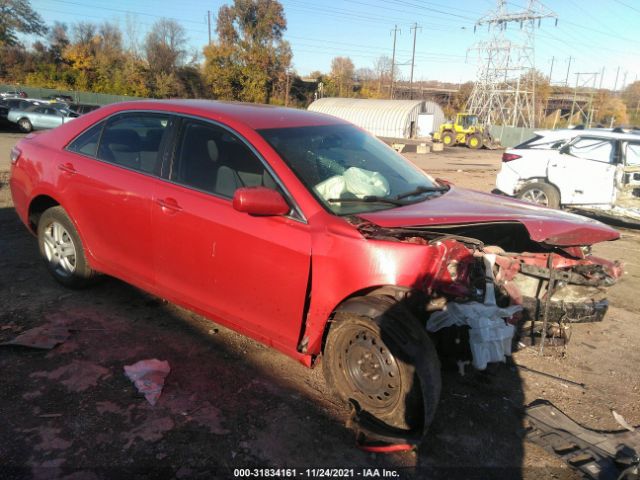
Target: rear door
(108, 175)
(585, 170)
(248, 271)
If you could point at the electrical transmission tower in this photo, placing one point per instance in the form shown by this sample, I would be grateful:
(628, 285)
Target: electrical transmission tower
(504, 91)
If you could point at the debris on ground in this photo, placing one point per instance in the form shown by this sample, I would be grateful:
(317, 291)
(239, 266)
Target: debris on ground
(148, 377)
(44, 337)
(597, 455)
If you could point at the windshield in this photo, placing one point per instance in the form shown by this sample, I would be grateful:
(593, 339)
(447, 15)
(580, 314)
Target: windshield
(348, 170)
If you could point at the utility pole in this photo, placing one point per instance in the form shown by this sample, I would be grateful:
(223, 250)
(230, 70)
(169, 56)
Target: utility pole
(551, 70)
(209, 24)
(413, 59)
(566, 80)
(624, 80)
(615, 84)
(601, 78)
(393, 60)
(286, 91)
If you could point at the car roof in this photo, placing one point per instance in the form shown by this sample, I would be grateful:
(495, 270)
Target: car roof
(587, 132)
(255, 116)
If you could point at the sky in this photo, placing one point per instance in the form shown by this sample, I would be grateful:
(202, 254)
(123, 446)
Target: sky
(595, 34)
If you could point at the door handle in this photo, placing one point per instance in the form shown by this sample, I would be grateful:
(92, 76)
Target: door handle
(169, 205)
(67, 168)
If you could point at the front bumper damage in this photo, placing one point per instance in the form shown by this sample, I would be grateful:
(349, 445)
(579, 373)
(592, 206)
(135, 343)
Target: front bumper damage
(554, 285)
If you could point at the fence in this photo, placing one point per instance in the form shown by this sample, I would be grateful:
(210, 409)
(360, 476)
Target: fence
(78, 97)
(511, 136)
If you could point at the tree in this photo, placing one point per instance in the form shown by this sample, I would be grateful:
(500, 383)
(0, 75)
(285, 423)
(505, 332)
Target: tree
(612, 111)
(250, 60)
(17, 16)
(342, 72)
(165, 46)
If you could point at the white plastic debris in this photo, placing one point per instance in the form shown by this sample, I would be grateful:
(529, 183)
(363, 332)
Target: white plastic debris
(148, 377)
(490, 336)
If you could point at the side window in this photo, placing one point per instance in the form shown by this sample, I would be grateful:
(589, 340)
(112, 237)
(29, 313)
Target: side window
(87, 142)
(632, 154)
(133, 141)
(211, 159)
(596, 149)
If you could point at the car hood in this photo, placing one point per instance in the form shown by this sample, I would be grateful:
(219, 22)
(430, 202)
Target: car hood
(460, 206)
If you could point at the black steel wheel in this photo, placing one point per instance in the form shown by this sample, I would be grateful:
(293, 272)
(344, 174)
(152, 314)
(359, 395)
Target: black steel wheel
(387, 364)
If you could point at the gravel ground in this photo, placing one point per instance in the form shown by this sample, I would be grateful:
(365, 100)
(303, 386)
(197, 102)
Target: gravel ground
(230, 402)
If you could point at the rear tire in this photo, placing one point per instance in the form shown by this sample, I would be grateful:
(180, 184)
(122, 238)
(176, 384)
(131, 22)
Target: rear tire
(540, 193)
(24, 124)
(449, 139)
(62, 250)
(387, 364)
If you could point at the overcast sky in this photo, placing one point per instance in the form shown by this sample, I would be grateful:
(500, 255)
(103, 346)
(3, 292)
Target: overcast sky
(594, 33)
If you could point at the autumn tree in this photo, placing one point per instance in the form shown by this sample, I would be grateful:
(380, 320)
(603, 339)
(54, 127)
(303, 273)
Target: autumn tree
(342, 73)
(250, 59)
(631, 97)
(17, 16)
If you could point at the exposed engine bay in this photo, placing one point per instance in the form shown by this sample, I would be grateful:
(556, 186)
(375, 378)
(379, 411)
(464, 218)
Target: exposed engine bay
(554, 286)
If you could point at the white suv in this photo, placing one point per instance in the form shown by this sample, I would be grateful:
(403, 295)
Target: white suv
(593, 170)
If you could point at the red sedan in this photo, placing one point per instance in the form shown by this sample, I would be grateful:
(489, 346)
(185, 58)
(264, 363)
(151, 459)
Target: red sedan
(305, 233)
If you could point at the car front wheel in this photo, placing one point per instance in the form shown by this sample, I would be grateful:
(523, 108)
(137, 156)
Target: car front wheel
(387, 364)
(25, 125)
(540, 193)
(62, 250)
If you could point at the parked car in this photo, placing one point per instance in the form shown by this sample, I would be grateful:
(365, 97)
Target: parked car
(39, 117)
(303, 232)
(82, 108)
(13, 94)
(596, 170)
(22, 103)
(58, 97)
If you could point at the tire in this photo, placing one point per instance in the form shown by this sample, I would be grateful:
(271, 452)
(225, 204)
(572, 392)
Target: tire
(474, 141)
(24, 125)
(387, 364)
(540, 193)
(62, 250)
(449, 139)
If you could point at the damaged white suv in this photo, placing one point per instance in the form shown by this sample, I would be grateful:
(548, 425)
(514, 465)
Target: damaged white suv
(597, 171)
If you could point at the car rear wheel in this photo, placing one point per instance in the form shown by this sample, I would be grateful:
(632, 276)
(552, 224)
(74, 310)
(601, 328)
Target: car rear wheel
(540, 193)
(387, 364)
(25, 125)
(448, 138)
(62, 250)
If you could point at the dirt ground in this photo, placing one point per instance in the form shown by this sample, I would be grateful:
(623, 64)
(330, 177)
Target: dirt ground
(231, 403)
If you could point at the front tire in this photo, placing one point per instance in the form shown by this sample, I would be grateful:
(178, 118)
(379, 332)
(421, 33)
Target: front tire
(62, 250)
(387, 364)
(25, 125)
(449, 139)
(474, 141)
(540, 193)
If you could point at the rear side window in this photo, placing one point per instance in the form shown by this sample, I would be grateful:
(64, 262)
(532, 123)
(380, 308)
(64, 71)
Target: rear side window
(87, 142)
(134, 140)
(539, 142)
(597, 149)
(632, 154)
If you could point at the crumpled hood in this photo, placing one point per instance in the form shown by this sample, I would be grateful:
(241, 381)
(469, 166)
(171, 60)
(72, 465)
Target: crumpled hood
(461, 206)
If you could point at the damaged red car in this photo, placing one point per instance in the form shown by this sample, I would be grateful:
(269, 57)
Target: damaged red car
(309, 235)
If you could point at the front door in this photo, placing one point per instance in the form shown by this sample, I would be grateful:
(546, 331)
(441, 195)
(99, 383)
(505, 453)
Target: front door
(247, 271)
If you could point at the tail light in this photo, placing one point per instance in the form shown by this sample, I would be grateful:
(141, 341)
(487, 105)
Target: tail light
(507, 157)
(15, 155)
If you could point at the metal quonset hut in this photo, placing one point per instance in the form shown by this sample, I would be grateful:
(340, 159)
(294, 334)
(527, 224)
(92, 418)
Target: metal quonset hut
(385, 118)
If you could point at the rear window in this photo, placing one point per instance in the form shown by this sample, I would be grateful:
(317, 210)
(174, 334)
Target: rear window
(538, 142)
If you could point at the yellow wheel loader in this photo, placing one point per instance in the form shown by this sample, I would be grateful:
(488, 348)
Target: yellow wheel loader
(464, 131)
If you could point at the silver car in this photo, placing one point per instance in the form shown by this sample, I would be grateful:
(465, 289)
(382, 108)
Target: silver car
(40, 117)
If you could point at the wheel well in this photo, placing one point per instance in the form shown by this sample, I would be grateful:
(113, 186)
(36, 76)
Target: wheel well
(545, 180)
(373, 302)
(37, 207)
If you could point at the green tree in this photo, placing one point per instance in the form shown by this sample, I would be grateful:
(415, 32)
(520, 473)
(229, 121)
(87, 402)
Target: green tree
(250, 60)
(17, 16)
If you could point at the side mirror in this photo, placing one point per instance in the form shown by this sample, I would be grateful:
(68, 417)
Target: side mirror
(260, 201)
